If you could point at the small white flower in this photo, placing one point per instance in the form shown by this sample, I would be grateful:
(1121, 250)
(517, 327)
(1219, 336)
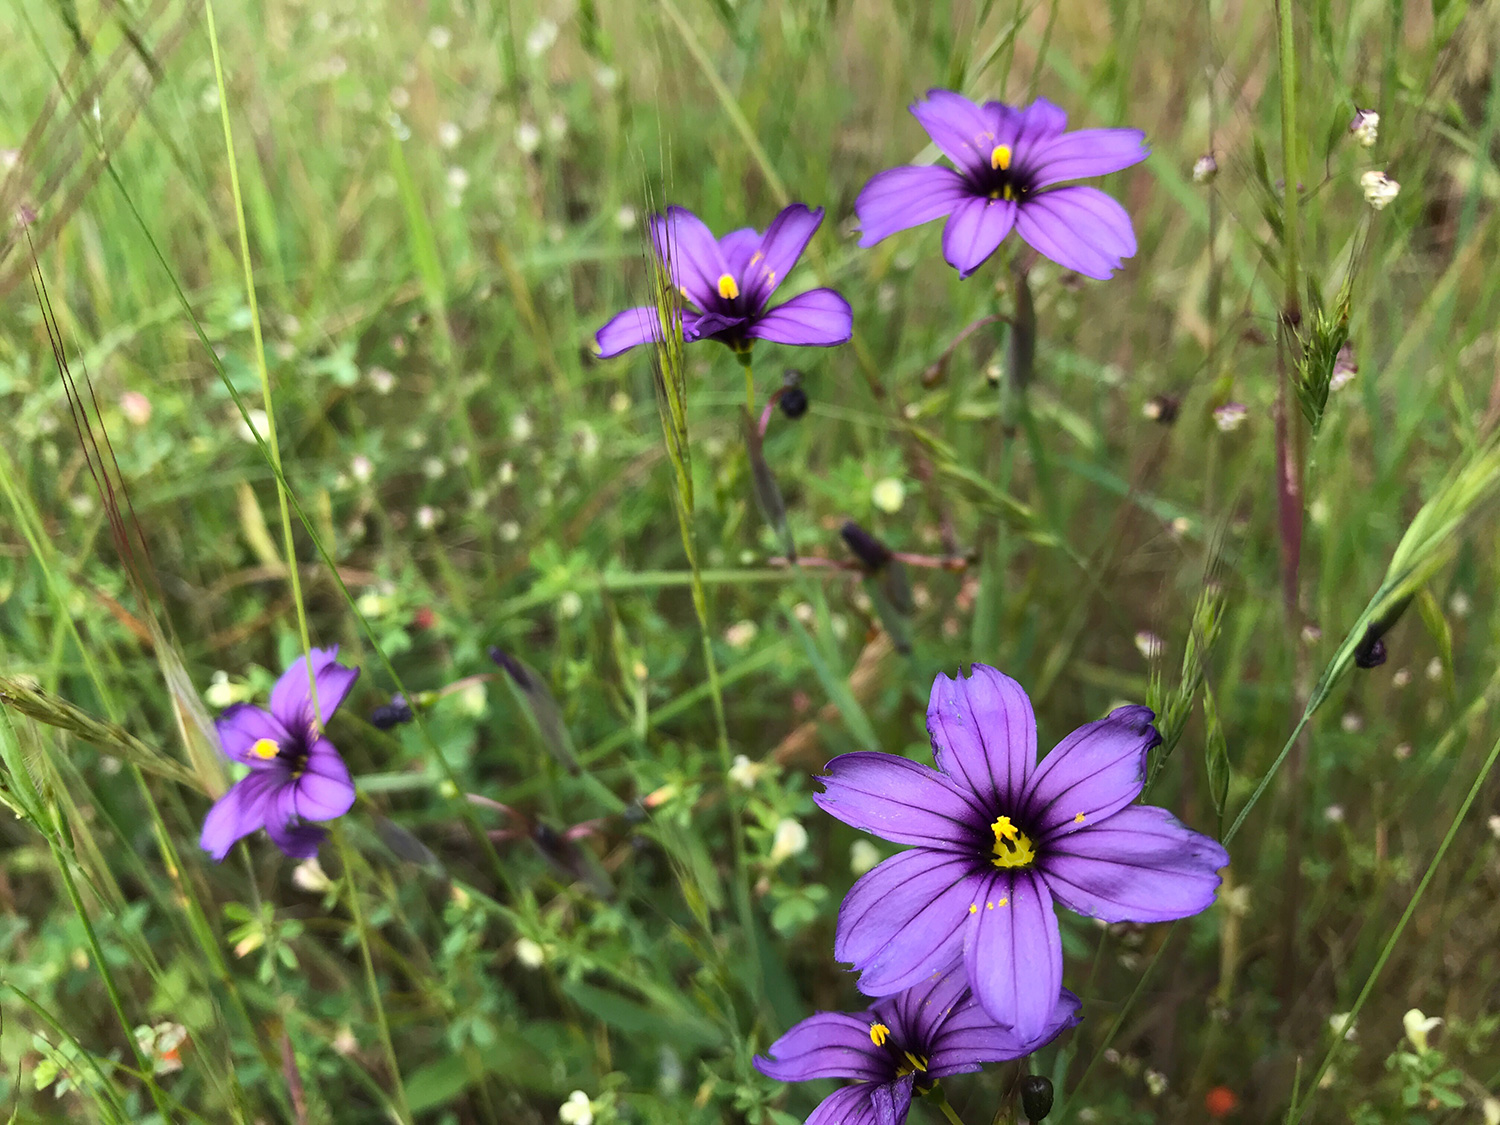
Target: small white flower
(744, 772)
(577, 1110)
(789, 839)
(1435, 669)
(1352, 722)
(459, 455)
(520, 427)
(528, 138)
(458, 180)
(1340, 1023)
(625, 218)
(1418, 1026)
(473, 700)
(440, 37)
(1365, 127)
(607, 77)
(510, 531)
(620, 402)
(381, 380)
(586, 439)
(540, 38)
(557, 129)
(1311, 634)
(863, 856)
(1230, 416)
(449, 134)
(569, 605)
(1494, 826)
(373, 604)
(259, 420)
(888, 495)
(1148, 644)
(530, 953)
(1379, 189)
(741, 633)
(433, 468)
(1205, 169)
(220, 693)
(1401, 678)
(1491, 1110)
(344, 1043)
(1334, 814)
(361, 468)
(310, 876)
(400, 98)
(427, 517)
(804, 612)
(1156, 1083)
(136, 407)
(1459, 604)
(1402, 751)
(1180, 527)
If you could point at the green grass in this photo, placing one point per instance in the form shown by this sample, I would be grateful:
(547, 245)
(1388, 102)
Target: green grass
(436, 206)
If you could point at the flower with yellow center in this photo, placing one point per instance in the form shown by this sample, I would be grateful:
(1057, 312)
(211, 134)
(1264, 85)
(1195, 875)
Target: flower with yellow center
(1012, 846)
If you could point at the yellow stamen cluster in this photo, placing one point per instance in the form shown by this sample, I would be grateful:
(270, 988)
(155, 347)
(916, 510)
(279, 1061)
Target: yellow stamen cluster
(1012, 846)
(265, 749)
(729, 289)
(879, 1033)
(1000, 157)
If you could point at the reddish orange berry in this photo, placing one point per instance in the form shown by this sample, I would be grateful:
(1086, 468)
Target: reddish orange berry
(1220, 1102)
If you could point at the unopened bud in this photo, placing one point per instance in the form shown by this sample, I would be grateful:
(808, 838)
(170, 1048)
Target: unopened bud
(1036, 1097)
(1205, 168)
(1365, 127)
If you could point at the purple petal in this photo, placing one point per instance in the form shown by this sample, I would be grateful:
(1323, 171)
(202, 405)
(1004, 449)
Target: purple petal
(240, 812)
(1093, 773)
(1140, 865)
(692, 254)
(975, 230)
(849, 1106)
(819, 318)
(626, 330)
(970, 1037)
(891, 1101)
(983, 734)
(922, 1010)
(904, 921)
(1079, 228)
(826, 1045)
(289, 698)
(785, 239)
(241, 726)
(1013, 952)
(738, 247)
(287, 830)
(962, 130)
(1088, 152)
(901, 198)
(324, 790)
(710, 326)
(1037, 123)
(900, 801)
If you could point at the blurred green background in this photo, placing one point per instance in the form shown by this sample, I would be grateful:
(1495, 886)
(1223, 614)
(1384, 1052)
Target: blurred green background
(441, 202)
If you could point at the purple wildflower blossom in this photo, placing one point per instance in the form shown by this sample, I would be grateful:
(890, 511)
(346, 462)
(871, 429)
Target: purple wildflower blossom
(901, 1046)
(998, 837)
(730, 279)
(1008, 161)
(296, 774)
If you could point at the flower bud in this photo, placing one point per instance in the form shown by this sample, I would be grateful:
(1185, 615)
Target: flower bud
(1205, 169)
(1379, 189)
(392, 714)
(1365, 127)
(869, 550)
(793, 402)
(1418, 1026)
(1036, 1097)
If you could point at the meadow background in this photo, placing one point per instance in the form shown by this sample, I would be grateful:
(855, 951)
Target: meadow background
(440, 203)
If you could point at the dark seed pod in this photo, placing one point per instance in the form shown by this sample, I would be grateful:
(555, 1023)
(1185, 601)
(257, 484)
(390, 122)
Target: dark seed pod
(392, 714)
(1371, 652)
(1036, 1097)
(793, 402)
(869, 550)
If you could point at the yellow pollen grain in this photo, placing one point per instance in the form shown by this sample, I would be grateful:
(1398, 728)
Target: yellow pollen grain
(1078, 819)
(989, 906)
(729, 289)
(1004, 901)
(265, 748)
(973, 908)
(1000, 157)
(879, 1033)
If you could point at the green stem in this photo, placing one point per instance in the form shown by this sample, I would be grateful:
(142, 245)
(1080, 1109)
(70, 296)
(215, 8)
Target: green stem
(260, 357)
(748, 363)
(1286, 54)
(357, 913)
(939, 1099)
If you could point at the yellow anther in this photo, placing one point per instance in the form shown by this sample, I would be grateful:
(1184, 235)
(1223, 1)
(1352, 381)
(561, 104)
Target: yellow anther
(1078, 819)
(729, 289)
(916, 1061)
(879, 1033)
(265, 748)
(1012, 846)
(1006, 193)
(1000, 157)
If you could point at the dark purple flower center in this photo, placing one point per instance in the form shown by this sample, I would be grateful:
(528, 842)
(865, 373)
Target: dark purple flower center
(292, 756)
(1002, 179)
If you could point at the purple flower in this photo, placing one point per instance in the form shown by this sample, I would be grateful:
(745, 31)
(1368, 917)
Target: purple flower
(998, 837)
(902, 1045)
(296, 774)
(1008, 162)
(730, 280)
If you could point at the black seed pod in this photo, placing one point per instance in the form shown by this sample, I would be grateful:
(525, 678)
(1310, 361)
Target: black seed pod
(1036, 1097)
(793, 402)
(1371, 652)
(869, 550)
(392, 714)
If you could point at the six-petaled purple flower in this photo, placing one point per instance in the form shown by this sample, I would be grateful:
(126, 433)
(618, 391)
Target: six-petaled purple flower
(729, 280)
(998, 838)
(296, 774)
(1008, 163)
(901, 1046)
